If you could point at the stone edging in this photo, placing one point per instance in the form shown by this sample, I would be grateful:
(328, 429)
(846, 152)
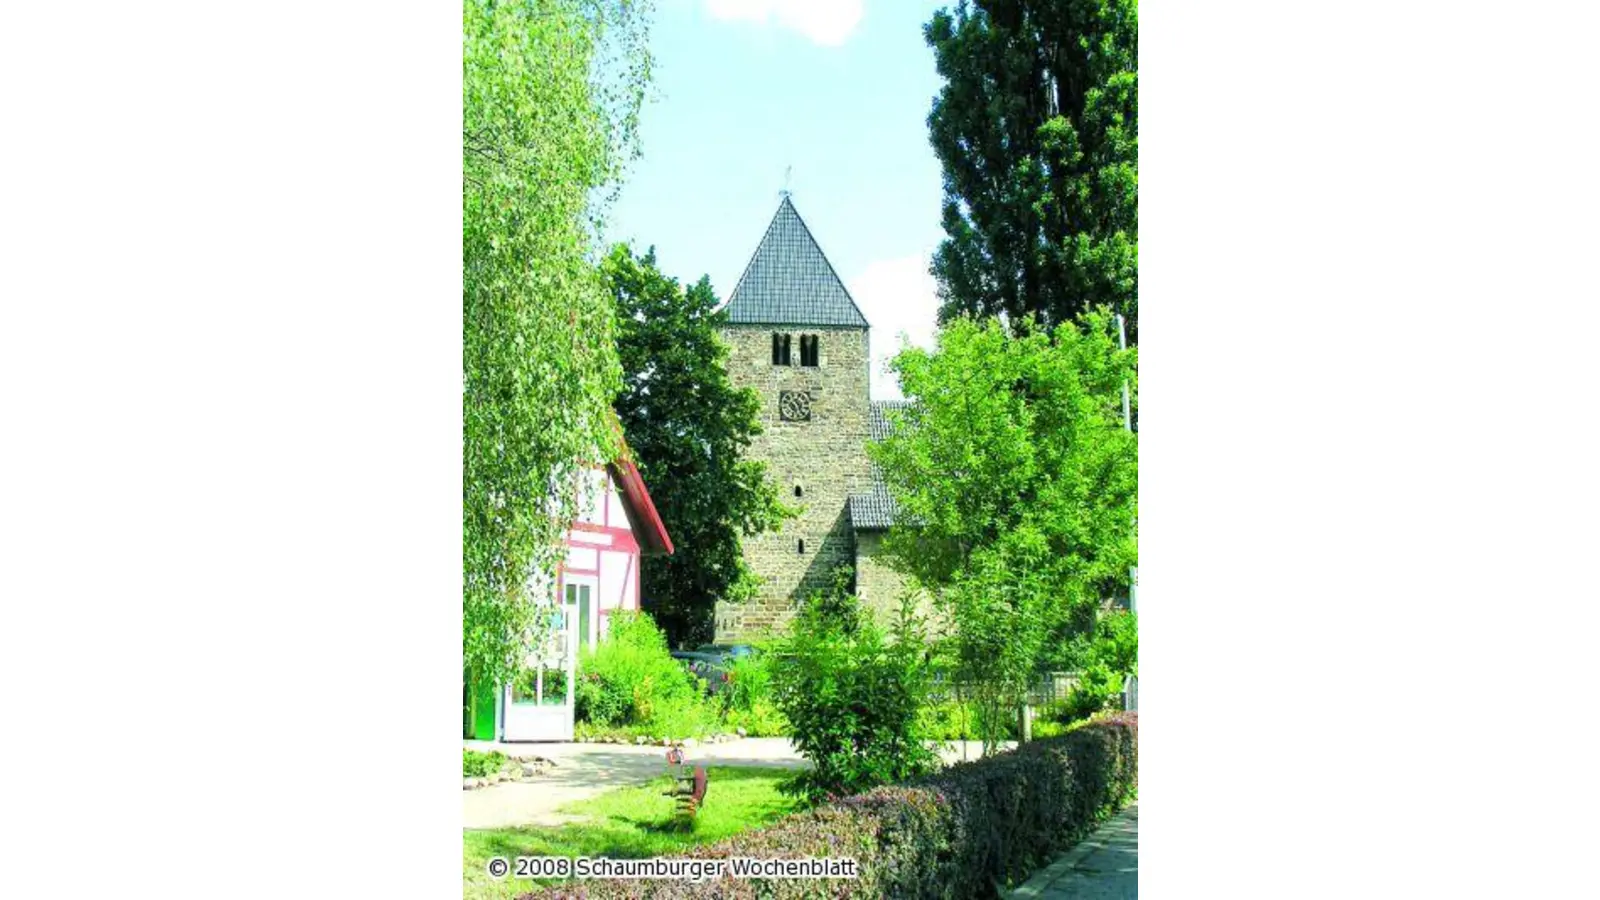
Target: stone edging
(514, 769)
(531, 767)
(641, 740)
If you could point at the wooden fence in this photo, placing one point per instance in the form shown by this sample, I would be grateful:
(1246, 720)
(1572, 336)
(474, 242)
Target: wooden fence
(1048, 689)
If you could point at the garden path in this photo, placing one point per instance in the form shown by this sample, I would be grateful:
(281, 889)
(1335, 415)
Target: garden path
(1103, 866)
(583, 770)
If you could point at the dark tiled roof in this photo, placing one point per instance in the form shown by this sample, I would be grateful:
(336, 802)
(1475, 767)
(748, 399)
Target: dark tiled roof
(790, 282)
(875, 509)
(879, 421)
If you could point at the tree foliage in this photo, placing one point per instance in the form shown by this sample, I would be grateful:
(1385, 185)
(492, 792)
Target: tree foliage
(1037, 131)
(688, 428)
(546, 123)
(1111, 642)
(1017, 487)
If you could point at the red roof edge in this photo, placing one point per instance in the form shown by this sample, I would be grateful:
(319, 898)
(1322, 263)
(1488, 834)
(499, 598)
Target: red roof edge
(644, 509)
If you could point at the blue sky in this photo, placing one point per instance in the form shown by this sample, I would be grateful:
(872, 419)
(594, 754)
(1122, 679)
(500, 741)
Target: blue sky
(839, 90)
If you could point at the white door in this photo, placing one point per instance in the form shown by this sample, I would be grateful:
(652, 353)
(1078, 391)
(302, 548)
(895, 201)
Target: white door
(538, 704)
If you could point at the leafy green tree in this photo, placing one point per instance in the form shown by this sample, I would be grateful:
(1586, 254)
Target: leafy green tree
(1037, 131)
(688, 427)
(1112, 641)
(545, 126)
(1017, 486)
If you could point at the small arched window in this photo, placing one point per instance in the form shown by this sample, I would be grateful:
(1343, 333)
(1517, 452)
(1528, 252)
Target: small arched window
(798, 492)
(802, 547)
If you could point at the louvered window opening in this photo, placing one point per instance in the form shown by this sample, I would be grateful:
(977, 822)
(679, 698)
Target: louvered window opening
(780, 350)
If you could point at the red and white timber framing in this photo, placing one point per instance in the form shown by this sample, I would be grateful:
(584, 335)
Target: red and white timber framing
(617, 523)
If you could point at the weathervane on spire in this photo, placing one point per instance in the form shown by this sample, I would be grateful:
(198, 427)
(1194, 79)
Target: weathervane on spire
(784, 194)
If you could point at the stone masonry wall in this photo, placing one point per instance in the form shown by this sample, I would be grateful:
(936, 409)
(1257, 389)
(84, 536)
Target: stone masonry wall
(878, 586)
(881, 587)
(825, 457)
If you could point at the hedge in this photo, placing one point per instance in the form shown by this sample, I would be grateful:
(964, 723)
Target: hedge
(966, 831)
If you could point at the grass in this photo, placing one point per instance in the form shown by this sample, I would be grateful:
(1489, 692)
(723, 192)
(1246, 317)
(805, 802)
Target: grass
(630, 822)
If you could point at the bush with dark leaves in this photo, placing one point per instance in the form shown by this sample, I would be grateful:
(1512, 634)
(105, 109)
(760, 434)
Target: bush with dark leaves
(968, 831)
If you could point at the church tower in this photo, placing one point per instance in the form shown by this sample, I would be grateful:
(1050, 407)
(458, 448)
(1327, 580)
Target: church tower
(800, 341)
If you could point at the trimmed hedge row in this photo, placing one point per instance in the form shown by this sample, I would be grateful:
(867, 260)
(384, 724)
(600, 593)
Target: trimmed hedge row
(964, 832)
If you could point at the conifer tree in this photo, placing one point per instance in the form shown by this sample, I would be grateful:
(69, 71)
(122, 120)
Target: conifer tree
(1036, 128)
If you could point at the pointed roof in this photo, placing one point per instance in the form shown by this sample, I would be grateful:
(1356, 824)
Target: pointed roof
(790, 282)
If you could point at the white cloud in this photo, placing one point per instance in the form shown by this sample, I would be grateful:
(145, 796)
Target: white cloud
(827, 22)
(898, 298)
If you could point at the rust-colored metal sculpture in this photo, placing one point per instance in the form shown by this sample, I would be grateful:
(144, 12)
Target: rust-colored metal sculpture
(690, 789)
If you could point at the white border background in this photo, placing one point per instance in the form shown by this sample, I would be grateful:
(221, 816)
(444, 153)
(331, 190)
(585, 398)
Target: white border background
(1368, 444)
(231, 356)
(229, 363)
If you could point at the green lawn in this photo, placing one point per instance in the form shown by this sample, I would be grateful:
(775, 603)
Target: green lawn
(630, 822)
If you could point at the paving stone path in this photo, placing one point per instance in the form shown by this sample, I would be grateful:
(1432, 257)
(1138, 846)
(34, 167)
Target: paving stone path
(1103, 866)
(584, 770)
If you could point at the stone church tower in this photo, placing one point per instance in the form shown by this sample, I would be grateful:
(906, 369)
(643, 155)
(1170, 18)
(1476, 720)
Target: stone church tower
(800, 341)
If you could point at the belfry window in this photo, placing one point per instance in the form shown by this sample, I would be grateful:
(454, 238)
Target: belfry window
(780, 350)
(808, 350)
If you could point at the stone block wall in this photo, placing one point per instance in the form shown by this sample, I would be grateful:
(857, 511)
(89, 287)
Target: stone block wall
(825, 457)
(880, 587)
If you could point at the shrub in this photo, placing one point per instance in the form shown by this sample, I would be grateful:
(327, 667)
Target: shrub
(631, 680)
(1098, 689)
(765, 720)
(599, 702)
(967, 831)
(852, 698)
(747, 700)
(1102, 659)
(477, 765)
(1048, 728)
(949, 720)
(749, 682)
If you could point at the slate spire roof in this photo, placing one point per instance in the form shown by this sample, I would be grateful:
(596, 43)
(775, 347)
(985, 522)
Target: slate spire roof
(789, 282)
